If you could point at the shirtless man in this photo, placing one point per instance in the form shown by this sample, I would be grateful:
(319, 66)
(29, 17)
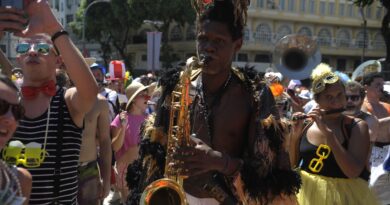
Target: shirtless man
(94, 173)
(373, 84)
(225, 119)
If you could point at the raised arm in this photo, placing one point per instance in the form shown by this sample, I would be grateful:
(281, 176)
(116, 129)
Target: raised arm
(82, 98)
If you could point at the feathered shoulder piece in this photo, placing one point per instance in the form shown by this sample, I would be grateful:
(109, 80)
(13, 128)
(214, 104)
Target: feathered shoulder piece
(266, 175)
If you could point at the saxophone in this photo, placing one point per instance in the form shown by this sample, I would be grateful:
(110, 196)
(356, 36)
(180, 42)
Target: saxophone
(169, 190)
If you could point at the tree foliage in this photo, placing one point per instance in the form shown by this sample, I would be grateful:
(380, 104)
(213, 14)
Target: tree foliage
(114, 24)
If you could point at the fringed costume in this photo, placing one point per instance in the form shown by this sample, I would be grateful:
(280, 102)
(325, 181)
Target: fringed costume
(264, 178)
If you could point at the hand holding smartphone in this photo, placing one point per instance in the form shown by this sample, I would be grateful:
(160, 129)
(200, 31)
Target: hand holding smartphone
(17, 4)
(14, 19)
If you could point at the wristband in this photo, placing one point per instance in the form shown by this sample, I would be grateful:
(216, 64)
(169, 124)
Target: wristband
(58, 34)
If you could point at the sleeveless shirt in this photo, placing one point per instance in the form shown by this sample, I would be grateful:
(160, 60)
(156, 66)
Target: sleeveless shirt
(33, 130)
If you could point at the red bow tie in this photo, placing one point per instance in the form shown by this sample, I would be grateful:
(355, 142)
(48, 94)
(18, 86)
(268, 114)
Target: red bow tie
(29, 92)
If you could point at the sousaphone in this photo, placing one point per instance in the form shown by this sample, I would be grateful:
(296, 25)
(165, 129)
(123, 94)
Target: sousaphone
(365, 68)
(295, 56)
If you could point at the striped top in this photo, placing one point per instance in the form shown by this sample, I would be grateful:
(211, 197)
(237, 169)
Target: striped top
(33, 130)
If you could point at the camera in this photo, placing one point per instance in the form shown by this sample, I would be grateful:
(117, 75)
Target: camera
(18, 4)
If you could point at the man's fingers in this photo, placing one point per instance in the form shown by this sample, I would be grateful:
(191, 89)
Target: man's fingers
(11, 10)
(11, 26)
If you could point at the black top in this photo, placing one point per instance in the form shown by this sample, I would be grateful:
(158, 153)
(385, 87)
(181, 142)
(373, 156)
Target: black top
(330, 167)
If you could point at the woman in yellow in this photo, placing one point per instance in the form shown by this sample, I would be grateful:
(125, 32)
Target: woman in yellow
(330, 148)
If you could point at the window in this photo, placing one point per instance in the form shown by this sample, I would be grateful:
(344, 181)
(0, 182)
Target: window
(356, 63)
(341, 64)
(262, 58)
(144, 57)
(325, 60)
(303, 6)
(291, 5)
(379, 13)
(176, 34)
(242, 57)
(322, 8)
(368, 12)
(361, 39)
(3, 48)
(246, 34)
(324, 37)
(282, 5)
(261, 3)
(190, 34)
(341, 9)
(378, 41)
(57, 5)
(331, 8)
(343, 38)
(283, 31)
(312, 6)
(263, 33)
(305, 31)
(69, 18)
(350, 10)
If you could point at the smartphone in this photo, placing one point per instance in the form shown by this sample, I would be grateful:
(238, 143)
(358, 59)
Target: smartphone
(18, 4)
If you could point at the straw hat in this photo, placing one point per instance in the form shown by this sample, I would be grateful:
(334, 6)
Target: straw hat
(90, 61)
(132, 91)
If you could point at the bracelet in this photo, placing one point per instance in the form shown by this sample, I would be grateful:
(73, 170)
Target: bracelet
(58, 34)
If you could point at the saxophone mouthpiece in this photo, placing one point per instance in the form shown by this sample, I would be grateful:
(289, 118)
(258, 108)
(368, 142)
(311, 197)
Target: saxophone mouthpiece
(204, 59)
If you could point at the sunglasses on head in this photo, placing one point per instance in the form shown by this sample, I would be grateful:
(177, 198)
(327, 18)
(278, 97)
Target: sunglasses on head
(352, 97)
(42, 48)
(16, 109)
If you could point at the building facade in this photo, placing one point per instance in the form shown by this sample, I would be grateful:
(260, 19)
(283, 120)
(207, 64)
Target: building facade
(336, 25)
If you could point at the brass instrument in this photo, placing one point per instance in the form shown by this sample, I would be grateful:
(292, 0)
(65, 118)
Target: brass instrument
(370, 66)
(169, 190)
(295, 56)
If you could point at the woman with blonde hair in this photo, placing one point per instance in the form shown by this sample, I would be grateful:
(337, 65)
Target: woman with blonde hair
(330, 148)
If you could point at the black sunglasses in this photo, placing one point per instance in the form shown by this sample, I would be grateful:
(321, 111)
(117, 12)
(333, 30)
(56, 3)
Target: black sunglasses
(17, 109)
(353, 97)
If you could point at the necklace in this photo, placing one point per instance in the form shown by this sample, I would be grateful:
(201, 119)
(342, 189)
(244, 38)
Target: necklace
(205, 109)
(10, 189)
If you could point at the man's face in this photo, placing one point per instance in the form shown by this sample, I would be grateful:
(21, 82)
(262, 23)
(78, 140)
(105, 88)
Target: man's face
(215, 42)
(375, 88)
(98, 74)
(37, 58)
(354, 102)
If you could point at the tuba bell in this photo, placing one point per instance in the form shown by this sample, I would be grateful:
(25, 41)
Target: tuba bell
(295, 56)
(365, 68)
(169, 190)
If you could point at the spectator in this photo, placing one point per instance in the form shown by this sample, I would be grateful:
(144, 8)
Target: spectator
(54, 117)
(16, 182)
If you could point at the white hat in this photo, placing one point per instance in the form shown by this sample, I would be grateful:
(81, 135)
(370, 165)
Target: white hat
(305, 94)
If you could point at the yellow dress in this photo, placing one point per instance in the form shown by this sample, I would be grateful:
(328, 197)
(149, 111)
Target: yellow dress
(321, 190)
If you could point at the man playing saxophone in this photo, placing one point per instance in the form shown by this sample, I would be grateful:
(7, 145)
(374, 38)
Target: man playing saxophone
(231, 157)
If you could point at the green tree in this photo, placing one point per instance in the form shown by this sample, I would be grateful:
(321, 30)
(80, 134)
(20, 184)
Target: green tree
(114, 24)
(385, 29)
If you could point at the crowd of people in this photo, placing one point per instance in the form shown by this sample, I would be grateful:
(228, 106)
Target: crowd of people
(70, 134)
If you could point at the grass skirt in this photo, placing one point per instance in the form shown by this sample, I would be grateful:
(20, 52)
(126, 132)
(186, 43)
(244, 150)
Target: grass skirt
(321, 190)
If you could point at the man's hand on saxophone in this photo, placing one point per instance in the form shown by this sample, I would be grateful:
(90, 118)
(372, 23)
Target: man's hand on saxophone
(199, 158)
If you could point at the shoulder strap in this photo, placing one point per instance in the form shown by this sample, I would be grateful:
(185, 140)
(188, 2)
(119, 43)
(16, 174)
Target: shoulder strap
(57, 170)
(348, 123)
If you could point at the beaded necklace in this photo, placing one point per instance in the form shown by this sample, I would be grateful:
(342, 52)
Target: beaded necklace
(207, 111)
(10, 190)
